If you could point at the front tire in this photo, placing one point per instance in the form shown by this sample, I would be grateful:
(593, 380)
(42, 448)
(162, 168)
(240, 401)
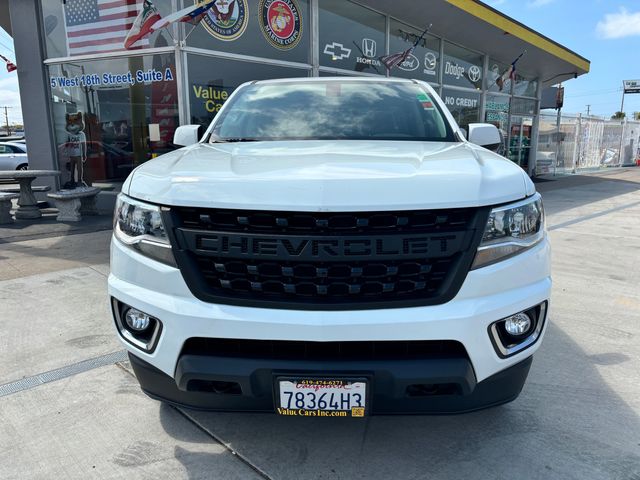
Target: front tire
(23, 166)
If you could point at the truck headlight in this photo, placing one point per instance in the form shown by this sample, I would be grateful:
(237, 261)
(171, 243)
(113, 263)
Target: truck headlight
(510, 230)
(139, 226)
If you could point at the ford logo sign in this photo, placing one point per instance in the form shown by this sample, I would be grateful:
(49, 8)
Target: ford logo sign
(410, 64)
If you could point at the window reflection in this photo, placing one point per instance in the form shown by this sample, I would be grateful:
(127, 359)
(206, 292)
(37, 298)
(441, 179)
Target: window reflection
(351, 37)
(212, 80)
(80, 27)
(463, 105)
(235, 27)
(348, 110)
(123, 124)
(462, 67)
(424, 63)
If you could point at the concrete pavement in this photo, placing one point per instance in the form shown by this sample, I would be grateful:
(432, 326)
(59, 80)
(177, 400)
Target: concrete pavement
(578, 415)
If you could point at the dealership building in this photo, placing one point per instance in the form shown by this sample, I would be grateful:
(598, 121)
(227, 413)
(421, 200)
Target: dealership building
(71, 59)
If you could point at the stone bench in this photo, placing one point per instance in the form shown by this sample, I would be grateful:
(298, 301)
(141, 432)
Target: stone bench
(72, 204)
(37, 189)
(5, 207)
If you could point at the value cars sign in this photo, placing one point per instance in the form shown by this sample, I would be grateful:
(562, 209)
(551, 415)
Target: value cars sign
(631, 86)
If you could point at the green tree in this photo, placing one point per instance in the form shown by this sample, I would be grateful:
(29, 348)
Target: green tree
(636, 115)
(618, 116)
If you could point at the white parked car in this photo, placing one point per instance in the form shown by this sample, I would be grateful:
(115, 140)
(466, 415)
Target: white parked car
(13, 156)
(331, 247)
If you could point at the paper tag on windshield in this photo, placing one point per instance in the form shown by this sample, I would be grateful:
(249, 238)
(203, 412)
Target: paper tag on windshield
(426, 101)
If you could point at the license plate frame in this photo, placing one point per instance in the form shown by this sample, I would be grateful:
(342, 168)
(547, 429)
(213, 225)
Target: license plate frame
(356, 412)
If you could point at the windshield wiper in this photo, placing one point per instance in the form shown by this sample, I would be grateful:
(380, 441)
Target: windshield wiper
(233, 140)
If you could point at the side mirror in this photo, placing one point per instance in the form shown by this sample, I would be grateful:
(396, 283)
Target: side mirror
(485, 135)
(186, 135)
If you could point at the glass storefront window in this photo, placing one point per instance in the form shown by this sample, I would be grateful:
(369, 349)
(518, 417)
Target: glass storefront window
(496, 70)
(351, 37)
(463, 105)
(520, 140)
(523, 106)
(424, 63)
(80, 27)
(525, 87)
(126, 109)
(462, 67)
(277, 29)
(497, 111)
(212, 80)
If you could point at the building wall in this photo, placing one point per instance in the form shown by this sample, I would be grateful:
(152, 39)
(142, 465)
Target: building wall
(32, 78)
(131, 101)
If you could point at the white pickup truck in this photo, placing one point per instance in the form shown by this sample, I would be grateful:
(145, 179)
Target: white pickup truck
(331, 247)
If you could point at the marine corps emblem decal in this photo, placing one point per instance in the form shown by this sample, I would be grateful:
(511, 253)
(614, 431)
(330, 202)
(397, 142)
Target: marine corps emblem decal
(281, 23)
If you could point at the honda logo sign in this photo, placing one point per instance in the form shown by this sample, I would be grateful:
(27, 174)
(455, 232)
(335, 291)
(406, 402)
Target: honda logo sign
(369, 47)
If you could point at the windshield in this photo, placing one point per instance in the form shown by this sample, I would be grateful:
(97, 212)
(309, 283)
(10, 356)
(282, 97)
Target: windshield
(332, 110)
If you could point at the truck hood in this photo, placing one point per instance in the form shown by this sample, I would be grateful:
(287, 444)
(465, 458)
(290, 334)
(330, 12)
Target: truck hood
(330, 176)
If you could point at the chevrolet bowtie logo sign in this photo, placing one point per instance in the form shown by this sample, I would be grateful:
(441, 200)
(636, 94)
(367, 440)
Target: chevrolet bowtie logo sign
(337, 51)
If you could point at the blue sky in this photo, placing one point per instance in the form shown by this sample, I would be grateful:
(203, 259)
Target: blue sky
(9, 95)
(607, 32)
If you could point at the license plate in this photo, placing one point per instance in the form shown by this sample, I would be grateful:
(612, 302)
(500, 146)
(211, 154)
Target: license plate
(320, 397)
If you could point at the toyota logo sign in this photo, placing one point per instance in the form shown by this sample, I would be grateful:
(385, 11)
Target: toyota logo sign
(474, 73)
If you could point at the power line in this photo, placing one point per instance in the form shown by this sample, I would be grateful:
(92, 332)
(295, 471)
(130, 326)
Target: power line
(7, 47)
(6, 117)
(595, 92)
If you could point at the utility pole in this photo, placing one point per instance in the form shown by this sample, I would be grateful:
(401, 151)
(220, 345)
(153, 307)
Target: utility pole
(6, 119)
(588, 110)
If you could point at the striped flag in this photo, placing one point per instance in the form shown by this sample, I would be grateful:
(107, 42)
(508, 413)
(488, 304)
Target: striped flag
(95, 26)
(192, 14)
(396, 59)
(143, 25)
(10, 65)
(510, 74)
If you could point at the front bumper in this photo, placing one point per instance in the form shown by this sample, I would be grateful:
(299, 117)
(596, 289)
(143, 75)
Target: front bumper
(388, 382)
(488, 294)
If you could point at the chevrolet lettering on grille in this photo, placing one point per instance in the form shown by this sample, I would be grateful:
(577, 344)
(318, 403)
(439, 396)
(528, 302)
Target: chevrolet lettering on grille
(319, 248)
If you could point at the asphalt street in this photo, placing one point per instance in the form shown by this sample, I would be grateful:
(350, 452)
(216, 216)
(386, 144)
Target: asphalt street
(70, 406)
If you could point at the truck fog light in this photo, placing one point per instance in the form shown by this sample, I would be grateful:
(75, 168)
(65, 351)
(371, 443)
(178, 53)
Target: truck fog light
(517, 325)
(519, 331)
(135, 327)
(137, 320)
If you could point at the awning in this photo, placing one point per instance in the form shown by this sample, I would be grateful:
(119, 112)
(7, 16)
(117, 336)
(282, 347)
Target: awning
(473, 24)
(5, 19)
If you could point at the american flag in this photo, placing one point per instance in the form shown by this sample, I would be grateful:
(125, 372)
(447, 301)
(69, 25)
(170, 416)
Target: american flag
(99, 25)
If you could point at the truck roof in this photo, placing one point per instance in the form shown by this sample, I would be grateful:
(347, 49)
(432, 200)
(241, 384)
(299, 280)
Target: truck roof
(335, 79)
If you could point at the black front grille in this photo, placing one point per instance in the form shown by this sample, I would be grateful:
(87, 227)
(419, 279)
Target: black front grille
(296, 223)
(321, 351)
(302, 260)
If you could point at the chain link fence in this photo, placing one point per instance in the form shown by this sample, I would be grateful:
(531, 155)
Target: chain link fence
(582, 142)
